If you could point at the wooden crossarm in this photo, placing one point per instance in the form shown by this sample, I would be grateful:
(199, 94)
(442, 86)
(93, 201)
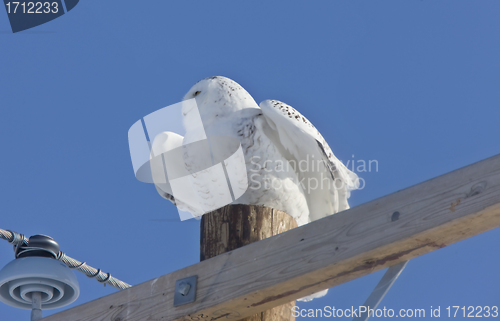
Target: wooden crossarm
(319, 255)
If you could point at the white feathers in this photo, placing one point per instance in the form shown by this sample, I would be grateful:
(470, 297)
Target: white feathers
(289, 165)
(327, 180)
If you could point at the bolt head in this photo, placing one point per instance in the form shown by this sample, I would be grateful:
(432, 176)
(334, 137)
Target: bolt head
(184, 288)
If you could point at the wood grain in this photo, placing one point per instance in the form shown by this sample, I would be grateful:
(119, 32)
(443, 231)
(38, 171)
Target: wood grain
(319, 255)
(235, 226)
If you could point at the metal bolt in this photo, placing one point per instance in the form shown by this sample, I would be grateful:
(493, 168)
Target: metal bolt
(395, 216)
(184, 288)
(36, 306)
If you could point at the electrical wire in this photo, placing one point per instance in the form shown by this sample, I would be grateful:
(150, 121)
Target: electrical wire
(102, 277)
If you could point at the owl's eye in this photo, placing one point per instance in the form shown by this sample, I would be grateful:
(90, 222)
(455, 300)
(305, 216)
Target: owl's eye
(196, 93)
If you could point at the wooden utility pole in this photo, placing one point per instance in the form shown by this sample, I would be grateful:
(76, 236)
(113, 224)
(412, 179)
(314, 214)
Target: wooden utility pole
(234, 226)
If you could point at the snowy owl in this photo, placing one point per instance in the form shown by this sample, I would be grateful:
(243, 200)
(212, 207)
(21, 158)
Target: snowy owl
(289, 165)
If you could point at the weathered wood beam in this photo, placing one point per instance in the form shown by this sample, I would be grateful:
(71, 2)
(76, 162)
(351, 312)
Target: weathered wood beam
(325, 253)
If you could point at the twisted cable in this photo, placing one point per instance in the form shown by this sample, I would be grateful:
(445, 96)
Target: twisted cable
(13, 237)
(102, 277)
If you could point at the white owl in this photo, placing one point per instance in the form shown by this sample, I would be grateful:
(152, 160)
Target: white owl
(289, 165)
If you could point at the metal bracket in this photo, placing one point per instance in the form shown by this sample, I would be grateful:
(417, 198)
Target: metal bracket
(185, 290)
(382, 288)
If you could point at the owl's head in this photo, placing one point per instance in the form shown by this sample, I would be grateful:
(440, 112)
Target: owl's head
(219, 96)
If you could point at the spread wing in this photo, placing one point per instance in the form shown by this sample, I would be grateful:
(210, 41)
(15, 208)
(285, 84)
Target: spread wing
(326, 181)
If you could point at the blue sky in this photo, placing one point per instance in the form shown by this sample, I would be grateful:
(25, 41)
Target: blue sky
(411, 84)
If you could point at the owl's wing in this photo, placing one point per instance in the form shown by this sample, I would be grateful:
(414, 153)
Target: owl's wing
(325, 180)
